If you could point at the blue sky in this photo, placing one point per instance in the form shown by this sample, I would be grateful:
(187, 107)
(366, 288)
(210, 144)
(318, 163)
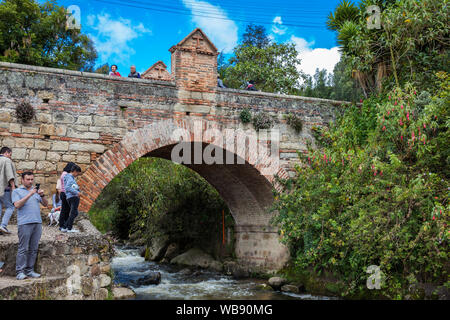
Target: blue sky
(141, 32)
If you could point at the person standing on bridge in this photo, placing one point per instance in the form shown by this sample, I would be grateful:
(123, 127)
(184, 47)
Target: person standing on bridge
(26, 199)
(73, 196)
(65, 208)
(133, 72)
(8, 178)
(114, 71)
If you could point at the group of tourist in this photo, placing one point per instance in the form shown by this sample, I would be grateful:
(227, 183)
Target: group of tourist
(26, 199)
(133, 73)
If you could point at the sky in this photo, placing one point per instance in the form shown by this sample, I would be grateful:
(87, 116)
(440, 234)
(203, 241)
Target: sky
(141, 32)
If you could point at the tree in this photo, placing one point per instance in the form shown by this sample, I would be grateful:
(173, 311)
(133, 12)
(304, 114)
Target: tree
(411, 46)
(272, 66)
(103, 69)
(36, 34)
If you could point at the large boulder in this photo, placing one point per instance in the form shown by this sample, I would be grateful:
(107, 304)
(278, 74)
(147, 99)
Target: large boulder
(235, 270)
(158, 248)
(120, 293)
(172, 251)
(277, 282)
(197, 258)
(152, 278)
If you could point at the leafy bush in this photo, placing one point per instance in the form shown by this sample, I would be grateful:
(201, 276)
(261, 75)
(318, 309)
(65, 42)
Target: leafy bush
(245, 115)
(375, 193)
(295, 122)
(262, 121)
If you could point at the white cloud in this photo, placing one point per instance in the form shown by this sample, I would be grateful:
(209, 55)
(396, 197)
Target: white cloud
(311, 59)
(223, 33)
(277, 27)
(113, 37)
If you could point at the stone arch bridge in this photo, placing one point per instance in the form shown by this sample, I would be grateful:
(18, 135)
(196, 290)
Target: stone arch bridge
(105, 123)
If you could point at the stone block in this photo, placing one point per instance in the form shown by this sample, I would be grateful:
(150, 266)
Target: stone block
(95, 270)
(104, 280)
(82, 135)
(93, 259)
(101, 294)
(69, 157)
(105, 267)
(18, 153)
(30, 130)
(63, 118)
(42, 145)
(53, 156)
(15, 128)
(44, 117)
(24, 143)
(26, 165)
(45, 166)
(123, 293)
(84, 120)
(9, 142)
(61, 130)
(88, 147)
(5, 116)
(60, 146)
(37, 155)
(86, 286)
(47, 129)
(83, 159)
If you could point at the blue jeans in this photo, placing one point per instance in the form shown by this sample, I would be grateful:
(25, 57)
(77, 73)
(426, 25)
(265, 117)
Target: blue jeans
(5, 200)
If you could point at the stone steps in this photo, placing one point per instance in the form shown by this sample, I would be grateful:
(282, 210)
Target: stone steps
(35, 289)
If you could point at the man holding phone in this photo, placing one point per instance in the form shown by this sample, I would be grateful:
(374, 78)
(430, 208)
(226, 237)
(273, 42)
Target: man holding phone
(27, 199)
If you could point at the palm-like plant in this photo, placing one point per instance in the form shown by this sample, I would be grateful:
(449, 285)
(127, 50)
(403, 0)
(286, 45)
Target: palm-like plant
(345, 11)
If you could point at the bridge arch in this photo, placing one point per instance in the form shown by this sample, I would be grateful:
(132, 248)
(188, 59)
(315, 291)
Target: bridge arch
(246, 187)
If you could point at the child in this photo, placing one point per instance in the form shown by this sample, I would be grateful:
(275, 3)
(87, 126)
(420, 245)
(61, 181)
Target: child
(57, 203)
(72, 196)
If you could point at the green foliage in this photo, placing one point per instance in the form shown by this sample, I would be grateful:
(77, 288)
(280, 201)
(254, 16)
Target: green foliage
(35, 34)
(103, 69)
(375, 192)
(295, 122)
(411, 46)
(245, 115)
(153, 197)
(262, 121)
(272, 66)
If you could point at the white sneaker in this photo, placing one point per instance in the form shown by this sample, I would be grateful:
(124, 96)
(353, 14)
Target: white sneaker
(73, 230)
(63, 229)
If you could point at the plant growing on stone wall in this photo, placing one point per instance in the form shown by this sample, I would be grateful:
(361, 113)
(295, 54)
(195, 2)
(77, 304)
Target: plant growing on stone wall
(24, 111)
(262, 121)
(295, 122)
(245, 116)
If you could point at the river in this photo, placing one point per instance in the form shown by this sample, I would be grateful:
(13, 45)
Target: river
(128, 266)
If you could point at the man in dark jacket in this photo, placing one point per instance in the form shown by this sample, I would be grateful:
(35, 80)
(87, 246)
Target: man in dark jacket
(133, 73)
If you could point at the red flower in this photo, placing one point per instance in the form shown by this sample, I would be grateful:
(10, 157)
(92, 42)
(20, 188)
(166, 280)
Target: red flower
(424, 126)
(384, 128)
(401, 106)
(407, 116)
(434, 218)
(395, 103)
(401, 122)
(381, 173)
(401, 138)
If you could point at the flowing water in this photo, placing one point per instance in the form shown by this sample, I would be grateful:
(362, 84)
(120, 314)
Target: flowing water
(128, 266)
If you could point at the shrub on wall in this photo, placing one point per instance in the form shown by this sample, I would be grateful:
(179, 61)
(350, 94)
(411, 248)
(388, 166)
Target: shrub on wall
(295, 122)
(245, 116)
(24, 111)
(262, 121)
